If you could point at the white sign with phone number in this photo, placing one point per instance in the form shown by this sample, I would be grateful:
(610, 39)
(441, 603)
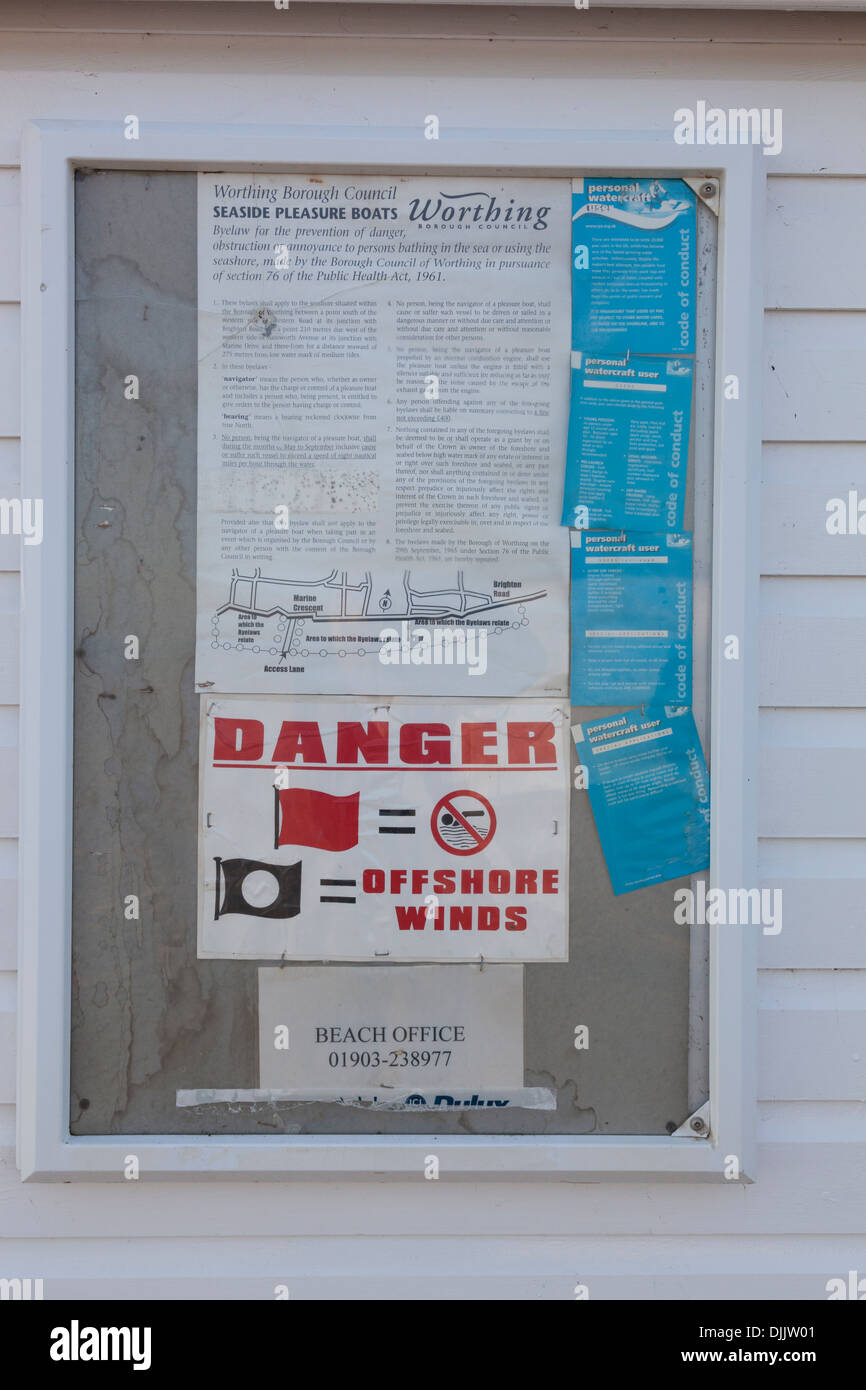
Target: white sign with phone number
(328, 1027)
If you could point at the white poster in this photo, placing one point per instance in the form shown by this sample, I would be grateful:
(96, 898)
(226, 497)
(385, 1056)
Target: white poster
(348, 830)
(331, 1028)
(382, 416)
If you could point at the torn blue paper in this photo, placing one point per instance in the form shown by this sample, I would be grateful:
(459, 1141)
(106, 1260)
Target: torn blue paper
(631, 618)
(633, 258)
(628, 442)
(650, 794)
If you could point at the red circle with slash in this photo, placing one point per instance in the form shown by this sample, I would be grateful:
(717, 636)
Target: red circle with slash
(456, 823)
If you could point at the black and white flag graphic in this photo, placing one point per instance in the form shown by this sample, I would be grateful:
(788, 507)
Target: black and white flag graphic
(257, 889)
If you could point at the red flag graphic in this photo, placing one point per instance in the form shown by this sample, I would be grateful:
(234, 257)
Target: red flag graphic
(316, 819)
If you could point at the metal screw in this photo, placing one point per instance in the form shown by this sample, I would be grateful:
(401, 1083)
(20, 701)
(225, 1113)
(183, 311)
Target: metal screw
(708, 190)
(698, 1126)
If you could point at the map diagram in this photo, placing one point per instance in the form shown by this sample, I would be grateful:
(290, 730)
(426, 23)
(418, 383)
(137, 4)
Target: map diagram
(274, 613)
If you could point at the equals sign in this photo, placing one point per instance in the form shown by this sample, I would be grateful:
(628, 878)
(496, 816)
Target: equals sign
(336, 883)
(396, 829)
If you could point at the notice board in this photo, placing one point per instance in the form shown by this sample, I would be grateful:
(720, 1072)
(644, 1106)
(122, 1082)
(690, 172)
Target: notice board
(596, 1026)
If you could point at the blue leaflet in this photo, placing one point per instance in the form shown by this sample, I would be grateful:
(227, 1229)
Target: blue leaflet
(628, 442)
(633, 258)
(631, 618)
(650, 794)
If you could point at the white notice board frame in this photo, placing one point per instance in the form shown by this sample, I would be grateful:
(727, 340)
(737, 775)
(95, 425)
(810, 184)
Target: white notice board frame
(52, 150)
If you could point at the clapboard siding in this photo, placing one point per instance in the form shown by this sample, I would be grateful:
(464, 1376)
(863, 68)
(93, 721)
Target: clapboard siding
(287, 93)
(9, 635)
(10, 405)
(794, 534)
(8, 930)
(380, 1258)
(279, 78)
(7, 990)
(823, 859)
(812, 792)
(784, 1200)
(799, 1224)
(7, 1136)
(7, 1056)
(823, 925)
(10, 199)
(812, 991)
(812, 1054)
(10, 546)
(824, 905)
(482, 18)
(798, 482)
(814, 254)
(684, 1267)
(813, 382)
(797, 1124)
(813, 661)
(774, 1283)
(8, 791)
(825, 596)
(10, 470)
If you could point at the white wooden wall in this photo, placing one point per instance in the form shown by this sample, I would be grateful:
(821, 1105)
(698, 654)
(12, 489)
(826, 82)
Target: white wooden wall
(803, 1221)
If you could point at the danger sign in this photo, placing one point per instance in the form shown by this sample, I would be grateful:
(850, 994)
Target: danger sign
(335, 830)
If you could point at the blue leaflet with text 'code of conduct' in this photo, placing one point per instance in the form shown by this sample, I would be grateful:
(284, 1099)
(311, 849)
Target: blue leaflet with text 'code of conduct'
(633, 265)
(631, 618)
(650, 794)
(628, 442)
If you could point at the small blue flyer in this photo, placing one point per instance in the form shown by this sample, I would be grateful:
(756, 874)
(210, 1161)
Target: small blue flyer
(649, 790)
(628, 442)
(631, 618)
(633, 259)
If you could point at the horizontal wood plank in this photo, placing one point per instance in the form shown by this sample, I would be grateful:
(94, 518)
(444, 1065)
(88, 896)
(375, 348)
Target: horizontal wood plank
(8, 792)
(10, 486)
(813, 661)
(799, 482)
(784, 1283)
(548, 80)
(8, 924)
(813, 380)
(795, 1123)
(10, 359)
(447, 1268)
(10, 235)
(811, 793)
(814, 251)
(803, 1187)
(9, 672)
(812, 1055)
(7, 1057)
(823, 925)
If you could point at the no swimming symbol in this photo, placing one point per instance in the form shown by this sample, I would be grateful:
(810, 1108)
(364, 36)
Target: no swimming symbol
(463, 822)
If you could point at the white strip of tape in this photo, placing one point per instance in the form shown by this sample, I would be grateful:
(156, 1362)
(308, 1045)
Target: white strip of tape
(529, 1098)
